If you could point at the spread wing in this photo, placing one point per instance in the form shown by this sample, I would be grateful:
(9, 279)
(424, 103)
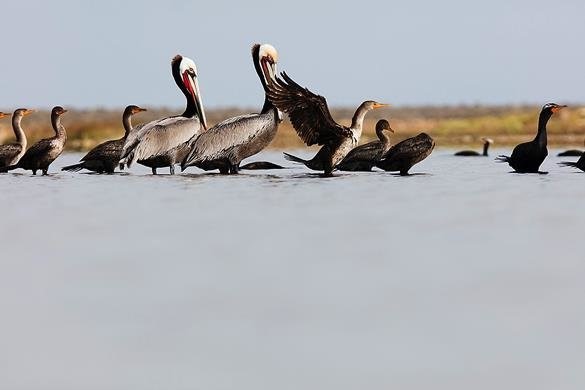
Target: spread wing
(308, 112)
(225, 137)
(159, 137)
(9, 152)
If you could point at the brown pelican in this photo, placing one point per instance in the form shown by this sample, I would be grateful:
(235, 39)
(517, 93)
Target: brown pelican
(571, 153)
(580, 164)
(402, 156)
(106, 156)
(365, 157)
(226, 144)
(469, 153)
(44, 152)
(527, 157)
(164, 142)
(314, 124)
(11, 153)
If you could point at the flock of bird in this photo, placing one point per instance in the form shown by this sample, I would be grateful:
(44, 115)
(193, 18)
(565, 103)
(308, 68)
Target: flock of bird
(187, 141)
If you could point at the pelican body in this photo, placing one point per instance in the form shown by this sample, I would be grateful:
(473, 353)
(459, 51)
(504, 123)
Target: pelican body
(225, 145)
(106, 156)
(10, 154)
(164, 142)
(43, 153)
(527, 157)
(314, 124)
(402, 156)
(365, 157)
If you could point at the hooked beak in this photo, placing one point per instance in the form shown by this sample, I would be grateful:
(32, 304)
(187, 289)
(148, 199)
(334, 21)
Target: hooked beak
(391, 130)
(558, 108)
(140, 109)
(63, 112)
(269, 70)
(27, 112)
(3, 115)
(379, 105)
(192, 86)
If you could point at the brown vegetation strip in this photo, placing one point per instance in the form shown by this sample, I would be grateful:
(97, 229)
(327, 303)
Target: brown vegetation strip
(450, 126)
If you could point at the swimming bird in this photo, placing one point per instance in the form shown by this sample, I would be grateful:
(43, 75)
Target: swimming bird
(314, 124)
(402, 156)
(261, 165)
(164, 142)
(10, 154)
(365, 157)
(106, 156)
(468, 153)
(580, 164)
(527, 157)
(44, 152)
(226, 144)
(571, 153)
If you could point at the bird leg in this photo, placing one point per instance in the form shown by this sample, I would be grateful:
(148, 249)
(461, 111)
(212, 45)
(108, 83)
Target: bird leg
(172, 169)
(153, 170)
(45, 172)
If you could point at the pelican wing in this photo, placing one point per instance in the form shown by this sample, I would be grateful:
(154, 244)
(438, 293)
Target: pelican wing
(226, 137)
(308, 112)
(158, 137)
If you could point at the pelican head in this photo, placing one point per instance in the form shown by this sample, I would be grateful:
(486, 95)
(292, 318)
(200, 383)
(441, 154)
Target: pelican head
(20, 112)
(267, 60)
(188, 78)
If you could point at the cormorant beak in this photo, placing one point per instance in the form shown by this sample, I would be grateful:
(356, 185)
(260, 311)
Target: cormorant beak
(558, 108)
(390, 130)
(63, 112)
(3, 115)
(379, 105)
(140, 109)
(27, 112)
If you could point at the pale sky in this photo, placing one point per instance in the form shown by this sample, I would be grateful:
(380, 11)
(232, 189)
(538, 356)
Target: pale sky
(114, 53)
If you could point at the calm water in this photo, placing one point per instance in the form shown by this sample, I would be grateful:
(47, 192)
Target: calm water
(461, 277)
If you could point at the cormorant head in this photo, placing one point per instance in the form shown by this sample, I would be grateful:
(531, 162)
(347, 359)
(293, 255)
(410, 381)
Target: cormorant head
(58, 110)
(487, 140)
(131, 110)
(552, 107)
(383, 125)
(22, 112)
(3, 115)
(370, 105)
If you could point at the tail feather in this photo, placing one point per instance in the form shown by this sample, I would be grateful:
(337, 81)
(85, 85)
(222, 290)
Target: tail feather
(8, 168)
(503, 159)
(73, 168)
(296, 159)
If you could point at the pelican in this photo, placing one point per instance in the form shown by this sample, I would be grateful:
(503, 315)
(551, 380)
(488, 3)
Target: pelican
(364, 157)
(11, 153)
(226, 144)
(44, 152)
(106, 156)
(314, 124)
(527, 157)
(164, 142)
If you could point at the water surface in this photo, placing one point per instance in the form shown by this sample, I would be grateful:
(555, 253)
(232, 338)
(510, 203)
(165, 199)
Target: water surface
(462, 276)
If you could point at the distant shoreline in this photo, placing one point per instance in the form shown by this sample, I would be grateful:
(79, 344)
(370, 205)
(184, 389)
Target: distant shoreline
(450, 126)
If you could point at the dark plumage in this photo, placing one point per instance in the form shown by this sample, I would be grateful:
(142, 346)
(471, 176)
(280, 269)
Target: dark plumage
(43, 153)
(471, 153)
(106, 156)
(314, 124)
(571, 153)
(402, 156)
(365, 157)
(11, 153)
(527, 157)
(580, 164)
(259, 165)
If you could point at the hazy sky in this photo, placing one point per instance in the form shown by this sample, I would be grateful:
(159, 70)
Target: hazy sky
(114, 53)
